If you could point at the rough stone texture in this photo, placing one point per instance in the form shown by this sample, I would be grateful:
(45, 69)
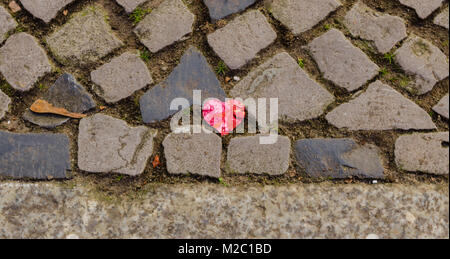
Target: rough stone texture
(165, 25)
(299, 97)
(247, 155)
(86, 38)
(383, 29)
(109, 145)
(219, 9)
(442, 107)
(423, 7)
(302, 15)
(45, 10)
(193, 153)
(193, 73)
(23, 61)
(121, 77)
(442, 19)
(65, 93)
(424, 61)
(4, 104)
(341, 62)
(130, 5)
(423, 153)
(7, 23)
(35, 156)
(240, 40)
(380, 108)
(208, 210)
(338, 158)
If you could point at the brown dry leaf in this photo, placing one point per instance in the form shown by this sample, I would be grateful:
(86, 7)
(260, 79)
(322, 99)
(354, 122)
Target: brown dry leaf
(102, 108)
(14, 7)
(41, 106)
(227, 79)
(65, 12)
(156, 161)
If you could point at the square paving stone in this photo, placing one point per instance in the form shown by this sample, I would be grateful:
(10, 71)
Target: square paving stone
(86, 38)
(23, 61)
(299, 97)
(193, 73)
(247, 155)
(130, 5)
(426, 63)
(423, 152)
(302, 15)
(45, 10)
(193, 154)
(442, 19)
(423, 7)
(121, 77)
(240, 40)
(380, 107)
(7, 23)
(65, 93)
(383, 29)
(34, 156)
(165, 25)
(340, 62)
(109, 145)
(219, 9)
(4, 104)
(442, 107)
(339, 158)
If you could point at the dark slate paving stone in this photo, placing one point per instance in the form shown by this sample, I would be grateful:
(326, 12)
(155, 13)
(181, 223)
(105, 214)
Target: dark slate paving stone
(193, 73)
(35, 156)
(66, 93)
(338, 158)
(219, 9)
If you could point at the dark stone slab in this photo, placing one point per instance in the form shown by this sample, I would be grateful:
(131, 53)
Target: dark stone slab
(35, 156)
(338, 158)
(219, 9)
(66, 93)
(193, 73)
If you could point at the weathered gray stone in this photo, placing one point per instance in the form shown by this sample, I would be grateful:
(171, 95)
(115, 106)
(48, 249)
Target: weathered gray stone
(380, 108)
(442, 19)
(341, 62)
(7, 23)
(45, 10)
(121, 77)
(423, 61)
(442, 107)
(35, 156)
(193, 153)
(338, 158)
(383, 29)
(4, 104)
(109, 145)
(247, 155)
(193, 73)
(423, 7)
(65, 93)
(86, 38)
(423, 153)
(130, 5)
(219, 9)
(165, 25)
(240, 40)
(302, 15)
(23, 61)
(299, 97)
(203, 211)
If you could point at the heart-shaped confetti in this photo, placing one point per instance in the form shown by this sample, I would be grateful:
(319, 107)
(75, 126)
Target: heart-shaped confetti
(224, 117)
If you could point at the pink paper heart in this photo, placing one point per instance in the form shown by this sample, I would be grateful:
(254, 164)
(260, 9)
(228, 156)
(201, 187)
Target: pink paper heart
(224, 117)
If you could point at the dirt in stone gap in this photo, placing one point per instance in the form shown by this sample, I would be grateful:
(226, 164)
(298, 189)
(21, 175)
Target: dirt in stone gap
(163, 62)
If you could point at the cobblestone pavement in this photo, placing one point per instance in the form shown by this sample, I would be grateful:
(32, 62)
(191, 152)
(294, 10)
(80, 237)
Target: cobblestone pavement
(362, 87)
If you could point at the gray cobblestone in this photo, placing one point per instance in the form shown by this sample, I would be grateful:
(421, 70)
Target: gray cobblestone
(7, 23)
(442, 19)
(45, 10)
(130, 5)
(4, 104)
(423, 7)
(442, 107)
